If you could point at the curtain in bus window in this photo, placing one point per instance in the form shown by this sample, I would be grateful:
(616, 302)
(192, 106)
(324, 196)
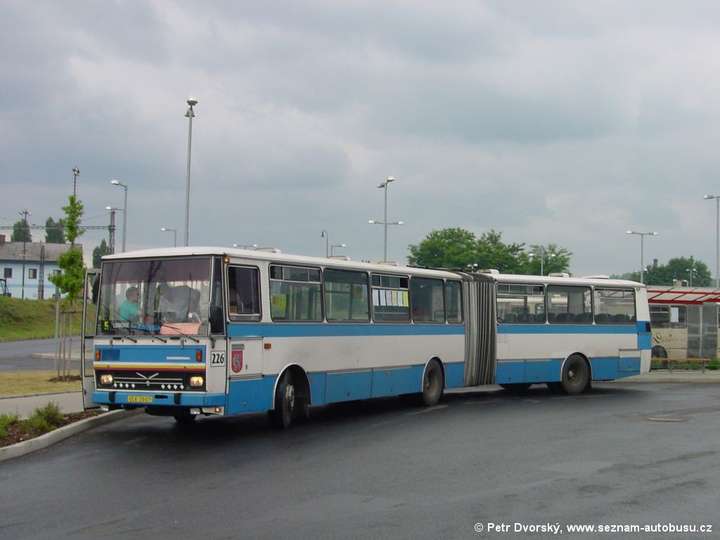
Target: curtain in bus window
(427, 298)
(391, 299)
(346, 296)
(614, 306)
(568, 304)
(520, 304)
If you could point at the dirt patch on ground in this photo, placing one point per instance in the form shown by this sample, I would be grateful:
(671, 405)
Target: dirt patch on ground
(23, 430)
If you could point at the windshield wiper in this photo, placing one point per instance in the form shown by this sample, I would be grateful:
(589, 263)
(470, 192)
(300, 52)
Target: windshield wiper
(183, 334)
(147, 331)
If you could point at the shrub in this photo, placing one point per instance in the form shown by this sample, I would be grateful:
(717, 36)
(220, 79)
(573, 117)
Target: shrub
(51, 414)
(6, 420)
(713, 364)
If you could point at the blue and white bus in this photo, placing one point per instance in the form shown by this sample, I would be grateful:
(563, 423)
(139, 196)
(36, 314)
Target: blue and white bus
(213, 331)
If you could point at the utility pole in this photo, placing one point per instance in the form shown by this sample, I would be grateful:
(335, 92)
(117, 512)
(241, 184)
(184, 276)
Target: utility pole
(111, 232)
(25, 213)
(76, 173)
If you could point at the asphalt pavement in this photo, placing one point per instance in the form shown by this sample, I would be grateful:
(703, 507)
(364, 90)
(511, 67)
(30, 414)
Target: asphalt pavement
(35, 354)
(623, 454)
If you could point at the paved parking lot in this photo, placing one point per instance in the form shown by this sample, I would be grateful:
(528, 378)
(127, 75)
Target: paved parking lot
(625, 453)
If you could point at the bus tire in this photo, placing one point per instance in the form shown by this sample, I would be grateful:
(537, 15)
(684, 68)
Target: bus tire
(516, 388)
(433, 384)
(658, 351)
(285, 403)
(575, 375)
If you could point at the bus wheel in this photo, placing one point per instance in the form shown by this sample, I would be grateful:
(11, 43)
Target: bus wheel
(433, 384)
(184, 418)
(516, 388)
(575, 375)
(285, 401)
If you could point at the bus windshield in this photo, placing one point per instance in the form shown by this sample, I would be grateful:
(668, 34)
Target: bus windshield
(164, 296)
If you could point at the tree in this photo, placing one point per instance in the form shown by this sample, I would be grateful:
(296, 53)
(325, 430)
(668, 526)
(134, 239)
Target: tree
(492, 252)
(54, 231)
(677, 268)
(70, 279)
(21, 232)
(460, 249)
(98, 252)
(446, 248)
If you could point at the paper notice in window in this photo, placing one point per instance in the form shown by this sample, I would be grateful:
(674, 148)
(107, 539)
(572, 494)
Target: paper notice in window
(404, 300)
(388, 298)
(674, 314)
(394, 297)
(381, 295)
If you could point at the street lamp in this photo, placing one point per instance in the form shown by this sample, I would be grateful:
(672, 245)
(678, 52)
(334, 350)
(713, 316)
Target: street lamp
(642, 236)
(116, 182)
(543, 255)
(324, 234)
(332, 248)
(189, 114)
(76, 173)
(691, 271)
(717, 236)
(384, 185)
(174, 231)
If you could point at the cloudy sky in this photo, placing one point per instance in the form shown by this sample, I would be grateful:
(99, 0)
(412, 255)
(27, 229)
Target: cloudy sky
(564, 122)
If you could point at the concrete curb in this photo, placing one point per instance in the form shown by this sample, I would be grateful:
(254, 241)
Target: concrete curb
(43, 441)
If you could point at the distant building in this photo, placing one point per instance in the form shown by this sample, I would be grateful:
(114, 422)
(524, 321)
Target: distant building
(40, 261)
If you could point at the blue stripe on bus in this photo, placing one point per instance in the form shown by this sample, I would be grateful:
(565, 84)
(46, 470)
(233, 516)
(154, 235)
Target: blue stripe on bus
(150, 353)
(604, 368)
(566, 329)
(348, 329)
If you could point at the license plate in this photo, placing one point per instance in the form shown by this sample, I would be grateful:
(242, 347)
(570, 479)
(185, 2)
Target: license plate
(140, 399)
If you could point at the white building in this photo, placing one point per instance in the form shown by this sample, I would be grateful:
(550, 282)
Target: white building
(39, 261)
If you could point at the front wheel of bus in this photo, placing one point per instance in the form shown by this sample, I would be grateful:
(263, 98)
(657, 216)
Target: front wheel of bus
(575, 375)
(433, 384)
(285, 401)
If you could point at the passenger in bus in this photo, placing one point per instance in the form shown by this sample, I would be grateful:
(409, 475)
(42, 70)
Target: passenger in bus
(130, 309)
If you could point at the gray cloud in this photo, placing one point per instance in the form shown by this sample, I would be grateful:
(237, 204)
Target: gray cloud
(553, 122)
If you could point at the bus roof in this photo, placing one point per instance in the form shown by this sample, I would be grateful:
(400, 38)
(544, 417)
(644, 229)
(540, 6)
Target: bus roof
(263, 255)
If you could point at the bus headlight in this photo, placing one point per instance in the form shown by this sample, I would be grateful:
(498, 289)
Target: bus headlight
(196, 381)
(106, 378)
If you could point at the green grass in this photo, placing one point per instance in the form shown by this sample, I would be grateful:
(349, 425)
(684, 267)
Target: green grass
(30, 319)
(6, 420)
(23, 383)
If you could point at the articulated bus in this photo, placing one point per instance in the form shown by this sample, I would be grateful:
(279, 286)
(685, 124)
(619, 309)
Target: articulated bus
(212, 331)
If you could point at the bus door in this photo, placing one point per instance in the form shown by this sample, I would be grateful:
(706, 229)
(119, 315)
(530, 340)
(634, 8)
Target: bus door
(87, 330)
(246, 345)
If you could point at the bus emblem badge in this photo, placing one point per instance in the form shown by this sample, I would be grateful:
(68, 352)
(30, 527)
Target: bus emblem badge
(237, 360)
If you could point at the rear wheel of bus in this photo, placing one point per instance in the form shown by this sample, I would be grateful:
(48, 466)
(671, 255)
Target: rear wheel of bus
(291, 402)
(433, 383)
(575, 377)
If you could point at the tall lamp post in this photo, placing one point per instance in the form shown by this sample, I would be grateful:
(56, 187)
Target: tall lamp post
(542, 256)
(642, 236)
(76, 173)
(717, 236)
(174, 231)
(116, 182)
(189, 114)
(384, 185)
(332, 248)
(690, 272)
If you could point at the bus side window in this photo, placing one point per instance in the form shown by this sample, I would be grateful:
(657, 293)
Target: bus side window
(453, 301)
(346, 296)
(243, 293)
(614, 306)
(295, 293)
(427, 300)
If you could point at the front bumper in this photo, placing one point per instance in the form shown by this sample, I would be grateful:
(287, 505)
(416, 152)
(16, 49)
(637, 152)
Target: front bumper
(144, 399)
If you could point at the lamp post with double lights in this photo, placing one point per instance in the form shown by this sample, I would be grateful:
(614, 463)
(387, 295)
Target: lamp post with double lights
(116, 182)
(642, 235)
(384, 185)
